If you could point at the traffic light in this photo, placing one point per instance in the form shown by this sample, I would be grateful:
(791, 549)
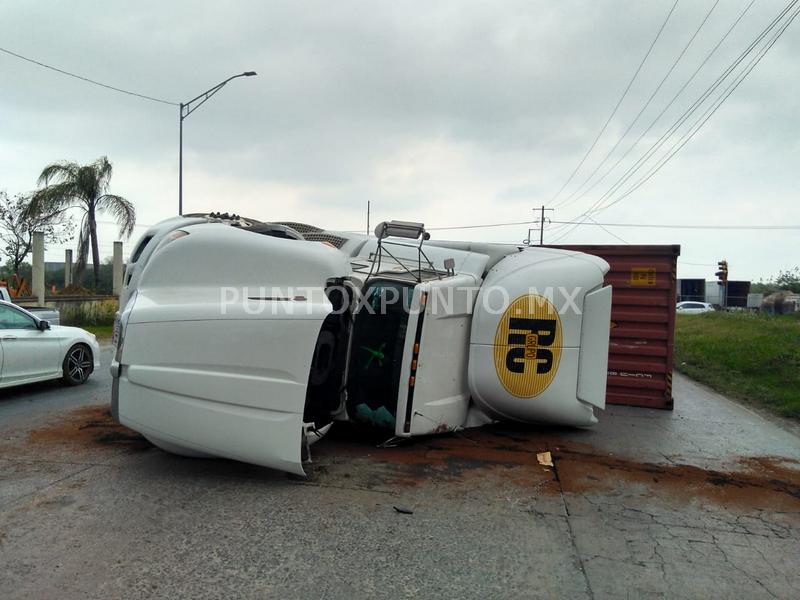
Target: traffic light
(722, 274)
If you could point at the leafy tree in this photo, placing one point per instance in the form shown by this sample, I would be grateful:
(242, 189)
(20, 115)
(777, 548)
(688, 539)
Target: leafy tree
(85, 187)
(789, 279)
(784, 280)
(17, 224)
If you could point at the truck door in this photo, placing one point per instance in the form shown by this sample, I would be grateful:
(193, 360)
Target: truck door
(433, 393)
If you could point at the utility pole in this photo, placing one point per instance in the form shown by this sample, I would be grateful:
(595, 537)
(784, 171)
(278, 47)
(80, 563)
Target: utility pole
(368, 217)
(541, 225)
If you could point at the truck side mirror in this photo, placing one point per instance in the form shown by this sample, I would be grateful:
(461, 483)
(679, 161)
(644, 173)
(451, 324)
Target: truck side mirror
(43, 325)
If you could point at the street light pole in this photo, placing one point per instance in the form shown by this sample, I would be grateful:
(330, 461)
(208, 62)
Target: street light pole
(186, 109)
(180, 165)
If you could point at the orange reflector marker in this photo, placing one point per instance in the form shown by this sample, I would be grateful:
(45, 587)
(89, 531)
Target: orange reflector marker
(412, 380)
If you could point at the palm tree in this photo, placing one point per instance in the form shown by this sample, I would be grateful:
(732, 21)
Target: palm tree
(70, 185)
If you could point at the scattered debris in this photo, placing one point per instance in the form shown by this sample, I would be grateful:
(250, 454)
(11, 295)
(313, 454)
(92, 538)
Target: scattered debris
(545, 459)
(403, 511)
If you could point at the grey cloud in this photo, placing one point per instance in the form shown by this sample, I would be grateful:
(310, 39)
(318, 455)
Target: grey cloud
(345, 88)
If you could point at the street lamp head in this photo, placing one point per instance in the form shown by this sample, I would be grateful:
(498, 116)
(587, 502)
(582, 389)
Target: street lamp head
(249, 73)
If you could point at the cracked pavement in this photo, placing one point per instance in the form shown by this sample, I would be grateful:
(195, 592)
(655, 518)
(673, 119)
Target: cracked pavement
(701, 502)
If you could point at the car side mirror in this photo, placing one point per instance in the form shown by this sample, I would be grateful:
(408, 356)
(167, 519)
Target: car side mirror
(43, 325)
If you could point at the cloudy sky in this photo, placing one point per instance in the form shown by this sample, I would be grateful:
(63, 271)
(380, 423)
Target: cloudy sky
(450, 113)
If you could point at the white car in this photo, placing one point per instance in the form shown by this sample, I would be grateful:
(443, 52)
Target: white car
(689, 307)
(32, 350)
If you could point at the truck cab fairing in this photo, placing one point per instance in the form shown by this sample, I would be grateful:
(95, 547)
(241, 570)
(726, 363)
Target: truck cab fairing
(153, 236)
(217, 349)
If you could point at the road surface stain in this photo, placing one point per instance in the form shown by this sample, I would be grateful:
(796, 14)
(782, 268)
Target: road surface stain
(88, 425)
(494, 453)
(489, 455)
(764, 482)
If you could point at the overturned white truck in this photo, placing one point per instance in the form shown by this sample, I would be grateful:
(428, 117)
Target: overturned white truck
(246, 340)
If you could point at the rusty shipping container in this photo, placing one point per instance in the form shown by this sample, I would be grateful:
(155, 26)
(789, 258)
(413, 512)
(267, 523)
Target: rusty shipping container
(644, 280)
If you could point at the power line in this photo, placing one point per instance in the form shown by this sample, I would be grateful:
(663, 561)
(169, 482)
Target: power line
(667, 106)
(646, 104)
(685, 116)
(678, 226)
(612, 234)
(107, 222)
(86, 79)
(682, 119)
(604, 225)
(694, 264)
(695, 106)
(619, 102)
(481, 226)
(675, 148)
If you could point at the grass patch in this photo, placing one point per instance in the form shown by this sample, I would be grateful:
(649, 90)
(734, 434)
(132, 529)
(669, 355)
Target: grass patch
(103, 332)
(755, 358)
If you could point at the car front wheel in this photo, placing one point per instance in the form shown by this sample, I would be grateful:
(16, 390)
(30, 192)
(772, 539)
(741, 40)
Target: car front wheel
(78, 365)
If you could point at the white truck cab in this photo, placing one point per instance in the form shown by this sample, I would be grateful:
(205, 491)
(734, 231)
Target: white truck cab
(249, 346)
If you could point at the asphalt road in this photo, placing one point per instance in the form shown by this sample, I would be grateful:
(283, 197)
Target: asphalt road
(703, 502)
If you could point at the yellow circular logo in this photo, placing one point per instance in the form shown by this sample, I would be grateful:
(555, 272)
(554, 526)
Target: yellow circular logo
(527, 346)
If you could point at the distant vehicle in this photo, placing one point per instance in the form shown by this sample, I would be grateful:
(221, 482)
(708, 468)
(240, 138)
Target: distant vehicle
(693, 308)
(45, 313)
(33, 350)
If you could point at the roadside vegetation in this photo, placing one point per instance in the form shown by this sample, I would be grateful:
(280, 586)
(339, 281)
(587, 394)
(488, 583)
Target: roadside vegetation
(68, 185)
(89, 314)
(755, 358)
(64, 187)
(103, 332)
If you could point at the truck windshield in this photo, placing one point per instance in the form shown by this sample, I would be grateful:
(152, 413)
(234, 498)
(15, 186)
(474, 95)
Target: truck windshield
(376, 353)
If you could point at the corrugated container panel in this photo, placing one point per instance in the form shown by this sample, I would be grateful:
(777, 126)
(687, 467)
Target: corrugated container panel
(642, 322)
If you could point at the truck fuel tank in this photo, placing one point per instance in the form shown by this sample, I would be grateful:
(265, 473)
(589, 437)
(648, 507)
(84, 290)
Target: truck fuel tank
(539, 341)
